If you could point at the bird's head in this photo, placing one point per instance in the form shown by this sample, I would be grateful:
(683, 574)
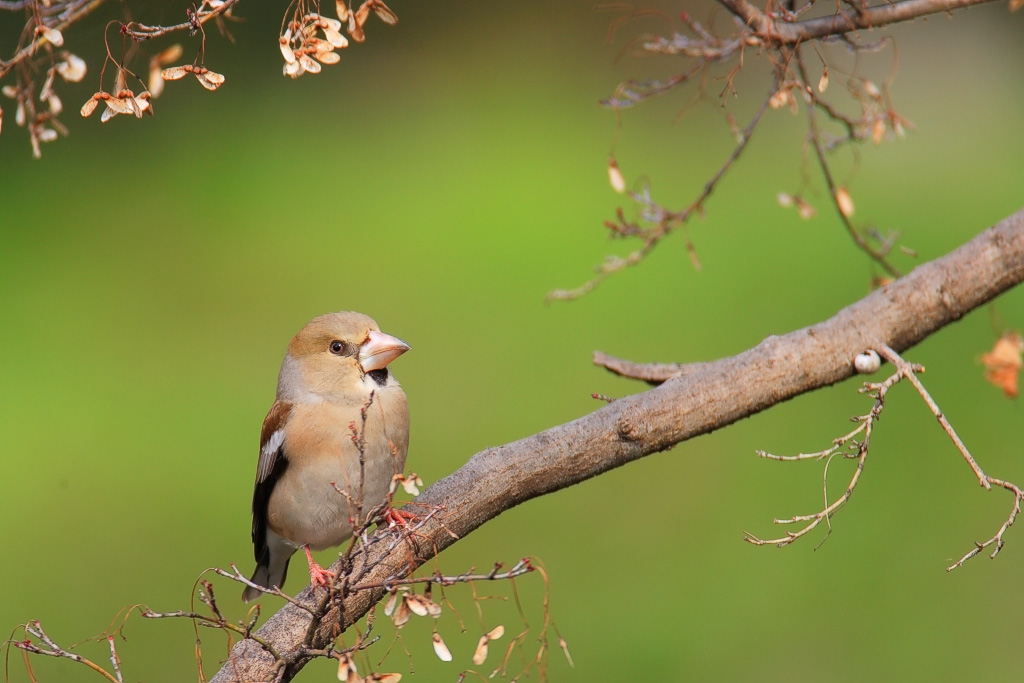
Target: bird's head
(330, 357)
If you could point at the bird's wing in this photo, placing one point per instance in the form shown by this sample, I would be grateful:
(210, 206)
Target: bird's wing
(272, 465)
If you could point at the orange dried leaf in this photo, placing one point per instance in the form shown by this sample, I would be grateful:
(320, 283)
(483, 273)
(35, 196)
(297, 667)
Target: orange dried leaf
(1003, 364)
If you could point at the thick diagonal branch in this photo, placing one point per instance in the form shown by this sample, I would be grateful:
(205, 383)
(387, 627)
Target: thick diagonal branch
(717, 394)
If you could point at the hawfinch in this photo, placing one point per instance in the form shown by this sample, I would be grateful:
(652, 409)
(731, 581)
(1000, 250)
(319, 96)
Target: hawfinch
(312, 486)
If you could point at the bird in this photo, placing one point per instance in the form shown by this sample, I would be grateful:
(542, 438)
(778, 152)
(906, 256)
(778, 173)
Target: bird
(335, 396)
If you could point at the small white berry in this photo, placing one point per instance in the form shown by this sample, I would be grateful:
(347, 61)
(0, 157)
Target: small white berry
(867, 362)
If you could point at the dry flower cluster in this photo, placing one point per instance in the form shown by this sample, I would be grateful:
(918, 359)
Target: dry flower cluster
(302, 48)
(402, 604)
(307, 41)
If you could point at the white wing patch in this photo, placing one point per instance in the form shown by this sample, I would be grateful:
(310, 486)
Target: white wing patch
(268, 454)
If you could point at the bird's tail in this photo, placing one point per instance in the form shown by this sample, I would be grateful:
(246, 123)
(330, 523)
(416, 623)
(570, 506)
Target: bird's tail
(271, 571)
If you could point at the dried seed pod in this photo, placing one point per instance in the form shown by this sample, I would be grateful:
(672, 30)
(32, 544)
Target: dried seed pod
(389, 606)
(383, 12)
(286, 50)
(440, 649)
(844, 202)
(72, 68)
(615, 178)
(417, 604)
(383, 678)
(878, 131)
(411, 485)
(309, 64)
(402, 614)
(52, 35)
(346, 667)
(480, 654)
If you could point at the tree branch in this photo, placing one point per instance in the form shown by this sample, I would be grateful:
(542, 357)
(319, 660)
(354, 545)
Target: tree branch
(717, 394)
(791, 33)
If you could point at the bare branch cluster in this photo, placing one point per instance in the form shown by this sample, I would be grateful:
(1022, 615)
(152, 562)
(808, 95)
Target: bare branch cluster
(855, 445)
(403, 604)
(787, 36)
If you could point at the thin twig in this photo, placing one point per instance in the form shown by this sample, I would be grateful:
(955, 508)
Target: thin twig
(35, 629)
(983, 479)
(814, 136)
(665, 222)
(867, 423)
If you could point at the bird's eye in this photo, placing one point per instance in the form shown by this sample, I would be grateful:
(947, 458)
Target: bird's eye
(338, 348)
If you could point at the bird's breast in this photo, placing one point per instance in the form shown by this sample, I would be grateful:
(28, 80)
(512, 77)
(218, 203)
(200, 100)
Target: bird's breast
(339, 467)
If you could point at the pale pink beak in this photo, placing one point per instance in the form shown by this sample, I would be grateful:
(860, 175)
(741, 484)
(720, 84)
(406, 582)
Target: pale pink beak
(379, 349)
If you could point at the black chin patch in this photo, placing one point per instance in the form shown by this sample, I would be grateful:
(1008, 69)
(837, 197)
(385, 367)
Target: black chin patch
(379, 376)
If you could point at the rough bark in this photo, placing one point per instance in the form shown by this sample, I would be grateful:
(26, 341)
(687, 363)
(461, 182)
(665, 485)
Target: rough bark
(713, 395)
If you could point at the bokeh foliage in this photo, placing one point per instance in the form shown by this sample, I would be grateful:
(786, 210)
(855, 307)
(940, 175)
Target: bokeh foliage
(442, 178)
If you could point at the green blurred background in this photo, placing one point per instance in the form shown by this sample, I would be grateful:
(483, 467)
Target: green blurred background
(445, 176)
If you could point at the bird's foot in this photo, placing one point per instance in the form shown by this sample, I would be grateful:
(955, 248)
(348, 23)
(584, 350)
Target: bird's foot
(395, 517)
(318, 576)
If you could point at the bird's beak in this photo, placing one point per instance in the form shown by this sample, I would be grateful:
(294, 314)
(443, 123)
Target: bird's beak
(380, 349)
